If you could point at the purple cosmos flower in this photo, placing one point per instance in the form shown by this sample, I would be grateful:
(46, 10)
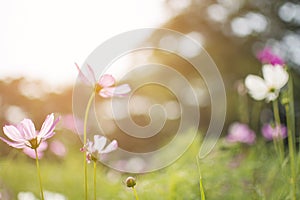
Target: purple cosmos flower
(266, 56)
(96, 149)
(24, 134)
(105, 87)
(239, 132)
(271, 132)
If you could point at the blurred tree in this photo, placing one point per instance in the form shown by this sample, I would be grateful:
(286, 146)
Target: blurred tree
(232, 31)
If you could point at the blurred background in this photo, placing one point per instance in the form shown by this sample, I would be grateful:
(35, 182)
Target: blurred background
(41, 40)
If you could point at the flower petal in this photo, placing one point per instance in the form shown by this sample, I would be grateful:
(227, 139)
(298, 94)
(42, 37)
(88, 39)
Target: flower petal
(99, 142)
(275, 76)
(48, 127)
(18, 145)
(256, 86)
(111, 147)
(106, 80)
(13, 133)
(119, 91)
(82, 77)
(28, 129)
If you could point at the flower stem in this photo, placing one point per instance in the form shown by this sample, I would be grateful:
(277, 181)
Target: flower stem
(200, 180)
(88, 106)
(39, 173)
(279, 139)
(135, 193)
(290, 120)
(95, 180)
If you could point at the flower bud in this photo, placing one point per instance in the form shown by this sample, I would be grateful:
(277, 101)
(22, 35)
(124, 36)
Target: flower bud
(130, 182)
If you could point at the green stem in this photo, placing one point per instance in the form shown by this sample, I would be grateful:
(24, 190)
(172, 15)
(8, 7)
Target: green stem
(278, 140)
(290, 117)
(135, 193)
(291, 150)
(39, 173)
(95, 180)
(88, 106)
(200, 180)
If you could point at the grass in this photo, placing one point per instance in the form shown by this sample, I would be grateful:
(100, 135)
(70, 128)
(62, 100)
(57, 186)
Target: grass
(228, 172)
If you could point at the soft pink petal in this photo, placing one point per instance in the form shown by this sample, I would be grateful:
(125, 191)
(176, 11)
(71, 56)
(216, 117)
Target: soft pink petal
(91, 73)
(18, 145)
(47, 130)
(82, 77)
(111, 147)
(119, 91)
(47, 125)
(106, 80)
(58, 148)
(40, 150)
(13, 133)
(28, 129)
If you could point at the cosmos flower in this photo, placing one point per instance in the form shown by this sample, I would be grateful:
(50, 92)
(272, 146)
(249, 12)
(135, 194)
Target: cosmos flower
(273, 132)
(58, 148)
(97, 148)
(239, 132)
(24, 134)
(275, 78)
(105, 87)
(266, 56)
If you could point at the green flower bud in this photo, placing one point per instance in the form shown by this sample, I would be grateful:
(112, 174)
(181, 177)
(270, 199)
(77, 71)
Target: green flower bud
(130, 182)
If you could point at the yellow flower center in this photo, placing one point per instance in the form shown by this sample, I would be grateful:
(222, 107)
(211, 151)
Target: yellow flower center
(98, 88)
(34, 143)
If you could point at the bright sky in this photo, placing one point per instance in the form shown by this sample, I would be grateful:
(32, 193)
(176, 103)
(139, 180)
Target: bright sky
(43, 39)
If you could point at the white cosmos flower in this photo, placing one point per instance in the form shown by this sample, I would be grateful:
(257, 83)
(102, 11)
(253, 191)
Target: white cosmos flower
(268, 87)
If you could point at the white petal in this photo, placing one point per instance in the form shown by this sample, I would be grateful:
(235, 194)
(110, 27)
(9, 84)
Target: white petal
(256, 86)
(275, 76)
(111, 147)
(99, 142)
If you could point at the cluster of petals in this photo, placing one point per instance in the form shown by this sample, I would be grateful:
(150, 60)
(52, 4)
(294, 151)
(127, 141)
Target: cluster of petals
(274, 79)
(271, 132)
(266, 56)
(105, 86)
(25, 135)
(239, 132)
(96, 149)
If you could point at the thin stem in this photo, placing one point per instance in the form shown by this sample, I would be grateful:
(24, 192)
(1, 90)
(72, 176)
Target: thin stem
(200, 180)
(278, 140)
(88, 106)
(290, 117)
(291, 150)
(39, 173)
(135, 193)
(95, 180)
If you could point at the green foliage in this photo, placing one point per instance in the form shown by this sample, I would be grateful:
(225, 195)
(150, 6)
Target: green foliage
(228, 172)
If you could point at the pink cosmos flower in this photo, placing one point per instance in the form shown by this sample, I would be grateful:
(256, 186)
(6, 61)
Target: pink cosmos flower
(105, 87)
(96, 149)
(72, 123)
(24, 134)
(239, 132)
(273, 132)
(40, 151)
(58, 148)
(266, 56)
